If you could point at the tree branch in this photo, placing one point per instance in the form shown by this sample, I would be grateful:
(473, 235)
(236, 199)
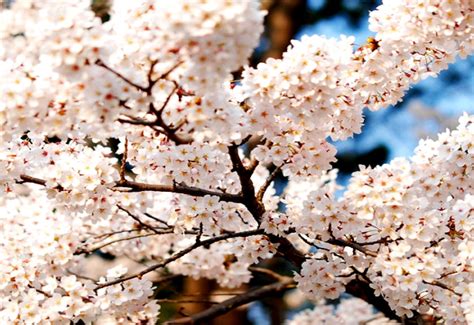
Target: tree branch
(362, 290)
(266, 184)
(137, 219)
(182, 253)
(267, 272)
(100, 63)
(30, 179)
(232, 303)
(356, 246)
(254, 206)
(180, 189)
(443, 286)
(123, 164)
(80, 251)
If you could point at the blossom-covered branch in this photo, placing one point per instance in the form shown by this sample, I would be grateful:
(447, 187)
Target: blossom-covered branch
(191, 195)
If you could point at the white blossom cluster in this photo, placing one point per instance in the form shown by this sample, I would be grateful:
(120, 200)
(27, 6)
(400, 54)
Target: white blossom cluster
(38, 284)
(58, 63)
(320, 86)
(210, 38)
(413, 225)
(227, 263)
(157, 77)
(77, 176)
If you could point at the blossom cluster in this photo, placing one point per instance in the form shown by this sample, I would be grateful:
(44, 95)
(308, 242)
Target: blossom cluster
(320, 86)
(411, 225)
(189, 187)
(228, 263)
(77, 176)
(210, 38)
(66, 74)
(38, 283)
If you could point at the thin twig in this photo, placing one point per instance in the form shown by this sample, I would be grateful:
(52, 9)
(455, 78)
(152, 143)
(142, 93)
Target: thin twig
(100, 63)
(39, 291)
(163, 106)
(167, 73)
(80, 251)
(442, 285)
(346, 243)
(80, 276)
(110, 234)
(156, 219)
(267, 272)
(136, 121)
(137, 219)
(38, 181)
(124, 160)
(182, 253)
(268, 181)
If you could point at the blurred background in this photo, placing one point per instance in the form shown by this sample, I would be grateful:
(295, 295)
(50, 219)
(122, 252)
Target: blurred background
(429, 107)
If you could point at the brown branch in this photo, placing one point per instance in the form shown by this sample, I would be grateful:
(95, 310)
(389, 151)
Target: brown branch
(151, 82)
(187, 301)
(136, 121)
(33, 180)
(268, 272)
(362, 290)
(288, 251)
(156, 219)
(110, 234)
(158, 125)
(100, 63)
(443, 286)
(180, 189)
(384, 240)
(137, 219)
(254, 206)
(266, 184)
(158, 231)
(124, 160)
(182, 253)
(356, 287)
(30, 179)
(167, 73)
(165, 103)
(167, 130)
(232, 303)
(123, 103)
(353, 245)
(80, 276)
(81, 251)
(308, 242)
(39, 291)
